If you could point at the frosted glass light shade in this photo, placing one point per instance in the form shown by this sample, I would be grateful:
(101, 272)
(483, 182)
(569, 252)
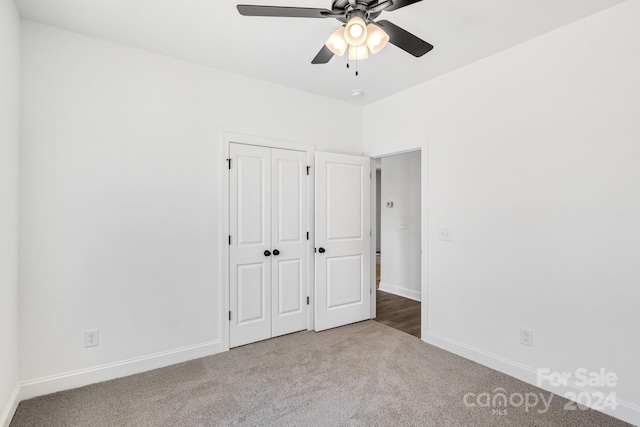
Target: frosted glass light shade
(377, 38)
(358, 53)
(356, 31)
(336, 42)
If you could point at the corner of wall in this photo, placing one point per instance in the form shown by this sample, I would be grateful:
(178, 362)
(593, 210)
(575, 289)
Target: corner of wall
(9, 169)
(10, 409)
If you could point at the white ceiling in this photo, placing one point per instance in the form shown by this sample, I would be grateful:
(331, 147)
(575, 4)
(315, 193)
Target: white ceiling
(279, 50)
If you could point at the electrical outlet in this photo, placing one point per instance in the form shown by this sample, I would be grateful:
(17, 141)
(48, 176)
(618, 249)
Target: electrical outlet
(91, 337)
(526, 337)
(445, 234)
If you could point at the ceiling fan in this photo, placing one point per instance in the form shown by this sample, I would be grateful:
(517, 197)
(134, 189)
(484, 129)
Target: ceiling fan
(360, 34)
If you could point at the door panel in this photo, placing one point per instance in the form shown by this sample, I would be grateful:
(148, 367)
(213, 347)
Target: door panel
(249, 225)
(252, 285)
(250, 200)
(289, 238)
(344, 206)
(341, 271)
(289, 284)
(289, 193)
(342, 231)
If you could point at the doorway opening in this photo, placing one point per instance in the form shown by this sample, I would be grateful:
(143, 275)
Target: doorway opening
(398, 241)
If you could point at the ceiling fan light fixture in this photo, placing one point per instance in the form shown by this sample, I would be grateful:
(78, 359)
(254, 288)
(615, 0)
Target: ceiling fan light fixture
(377, 38)
(336, 42)
(358, 53)
(356, 31)
(354, 14)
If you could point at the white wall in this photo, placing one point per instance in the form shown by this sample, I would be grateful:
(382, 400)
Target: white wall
(533, 161)
(121, 194)
(9, 127)
(400, 248)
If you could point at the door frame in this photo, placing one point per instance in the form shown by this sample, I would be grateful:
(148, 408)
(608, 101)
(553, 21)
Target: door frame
(424, 232)
(239, 138)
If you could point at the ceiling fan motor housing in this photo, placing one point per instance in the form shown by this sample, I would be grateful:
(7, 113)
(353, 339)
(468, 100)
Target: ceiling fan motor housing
(360, 9)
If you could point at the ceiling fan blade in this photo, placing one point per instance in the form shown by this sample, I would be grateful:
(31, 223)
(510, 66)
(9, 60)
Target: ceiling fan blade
(283, 11)
(404, 39)
(397, 4)
(323, 56)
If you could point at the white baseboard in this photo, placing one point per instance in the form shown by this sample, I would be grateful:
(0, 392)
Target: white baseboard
(625, 411)
(397, 290)
(10, 409)
(96, 374)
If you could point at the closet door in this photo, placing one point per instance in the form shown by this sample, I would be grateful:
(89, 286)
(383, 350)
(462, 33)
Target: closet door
(250, 248)
(289, 241)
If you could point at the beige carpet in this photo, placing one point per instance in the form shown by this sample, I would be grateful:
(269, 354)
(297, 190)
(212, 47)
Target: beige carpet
(362, 374)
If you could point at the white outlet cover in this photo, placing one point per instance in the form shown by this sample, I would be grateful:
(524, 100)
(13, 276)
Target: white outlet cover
(445, 234)
(526, 337)
(91, 337)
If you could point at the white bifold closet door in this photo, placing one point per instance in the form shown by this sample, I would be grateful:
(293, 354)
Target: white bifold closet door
(268, 232)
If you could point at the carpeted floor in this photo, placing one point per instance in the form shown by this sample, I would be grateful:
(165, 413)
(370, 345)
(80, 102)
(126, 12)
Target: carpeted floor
(361, 374)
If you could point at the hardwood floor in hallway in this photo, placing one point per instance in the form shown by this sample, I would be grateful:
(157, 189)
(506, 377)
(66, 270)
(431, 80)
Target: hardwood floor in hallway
(398, 312)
